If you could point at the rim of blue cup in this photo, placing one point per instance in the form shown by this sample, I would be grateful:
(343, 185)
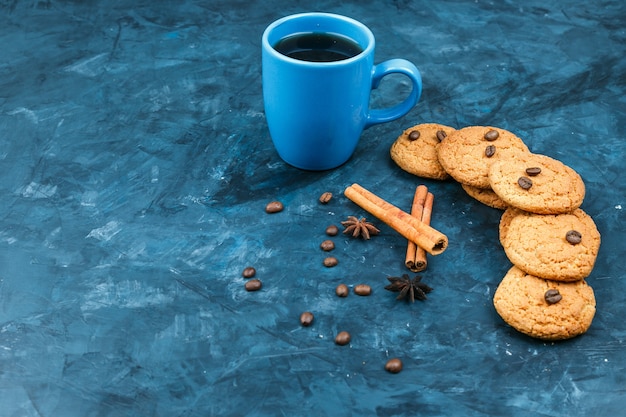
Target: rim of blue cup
(311, 18)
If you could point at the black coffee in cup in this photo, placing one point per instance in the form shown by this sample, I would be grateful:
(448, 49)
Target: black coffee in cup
(318, 47)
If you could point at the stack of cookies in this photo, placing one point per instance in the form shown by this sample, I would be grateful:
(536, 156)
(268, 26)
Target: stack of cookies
(550, 241)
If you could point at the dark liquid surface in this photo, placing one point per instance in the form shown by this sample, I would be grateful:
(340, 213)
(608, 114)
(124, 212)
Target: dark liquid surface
(318, 47)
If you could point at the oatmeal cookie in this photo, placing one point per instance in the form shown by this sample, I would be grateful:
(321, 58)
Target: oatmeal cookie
(560, 247)
(415, 150)
(485, 196)
(537, 183)
(544, 309)
(467, 154)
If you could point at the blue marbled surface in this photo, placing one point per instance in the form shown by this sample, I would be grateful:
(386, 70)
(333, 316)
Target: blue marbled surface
(135, 165)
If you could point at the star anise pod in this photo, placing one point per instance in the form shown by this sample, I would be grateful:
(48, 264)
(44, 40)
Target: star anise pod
(359, 227)
(410, 289)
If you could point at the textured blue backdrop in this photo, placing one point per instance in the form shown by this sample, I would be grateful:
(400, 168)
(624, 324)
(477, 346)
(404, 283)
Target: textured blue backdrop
(135, 165)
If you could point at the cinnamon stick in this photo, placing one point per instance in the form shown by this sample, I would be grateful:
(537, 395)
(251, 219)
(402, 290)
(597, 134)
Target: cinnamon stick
(420, 254)
(417, 208)
(433, 241)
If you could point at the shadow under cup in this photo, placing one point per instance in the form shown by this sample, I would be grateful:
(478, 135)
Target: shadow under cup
(316, 111)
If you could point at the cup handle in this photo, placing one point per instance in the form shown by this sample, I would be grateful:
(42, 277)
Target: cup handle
(395, 66)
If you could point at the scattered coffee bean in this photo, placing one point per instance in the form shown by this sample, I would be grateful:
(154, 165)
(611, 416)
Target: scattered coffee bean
(362, 289)
(492, 135)
(553, 296)
(533, 171)
(274, 207)
(414, 135)
(332, 230)
(342, 290)
(393, 365)
(253, 285)
(490, 151)
(525, 182)
(326, 197)
(306, 318)
(248, 272)
(574, 237)
(330, 261)
(441, 135)
(327, 245)
(343, 338)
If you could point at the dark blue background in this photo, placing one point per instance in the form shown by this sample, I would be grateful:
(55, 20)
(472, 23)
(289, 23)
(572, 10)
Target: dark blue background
(135, 165)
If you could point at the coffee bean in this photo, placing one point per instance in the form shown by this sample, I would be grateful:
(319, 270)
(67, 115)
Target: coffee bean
(534, 171)
(327, 245)
(393, 365)
(490, 151)
(414, 135)
(362, 289)
(525, 182)
(342, 290)
(330, 262)
(274, 207)
(253, 285)
(342, 338)
(248, 272)
(326, 197)
(553, 296)
(332, 230)
(441, 135)
(492, 135)
(574, 237)
(306, 318)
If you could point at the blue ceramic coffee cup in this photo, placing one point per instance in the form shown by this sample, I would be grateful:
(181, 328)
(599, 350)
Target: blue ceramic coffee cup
(316, 111)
